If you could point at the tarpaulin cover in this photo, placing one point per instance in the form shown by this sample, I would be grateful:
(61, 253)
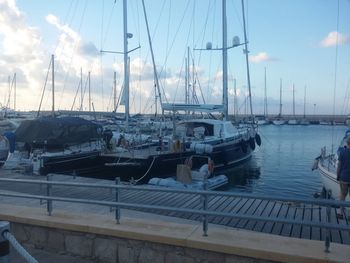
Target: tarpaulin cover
(54, 132)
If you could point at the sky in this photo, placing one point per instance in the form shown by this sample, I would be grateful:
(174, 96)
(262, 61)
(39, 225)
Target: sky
(301, 43)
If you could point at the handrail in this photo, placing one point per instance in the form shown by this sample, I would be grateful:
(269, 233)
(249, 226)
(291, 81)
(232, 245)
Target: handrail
(204, 212)
(322, 202)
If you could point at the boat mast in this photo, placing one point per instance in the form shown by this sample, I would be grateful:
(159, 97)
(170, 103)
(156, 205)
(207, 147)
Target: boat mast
(246, 52)
(115, 91)
(265, 95)
(14, 102)
(126, 75)
(280, 98)
(152, 55)
(224, 61)
(89, 76)
(53, 84)
(305, 102)
(293, 101)
(235, 105)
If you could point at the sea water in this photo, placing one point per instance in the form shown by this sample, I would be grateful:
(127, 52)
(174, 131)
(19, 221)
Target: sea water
(281, 167)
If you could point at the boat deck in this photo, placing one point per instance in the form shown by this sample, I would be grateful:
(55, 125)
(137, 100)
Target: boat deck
(255, 207)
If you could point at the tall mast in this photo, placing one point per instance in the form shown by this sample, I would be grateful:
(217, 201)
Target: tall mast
(235, 105)
(14, 102)
(152, 55)
(81, 89)
(53, 84)
(187, 81)
(265, 95)
(224, 60)
(304, 102)
(126, 75)
(246, 52)
(89, 77)
(293, 101)
(280, 97)
(115, 91)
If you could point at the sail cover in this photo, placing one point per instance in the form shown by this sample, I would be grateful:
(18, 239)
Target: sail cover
(54, 132)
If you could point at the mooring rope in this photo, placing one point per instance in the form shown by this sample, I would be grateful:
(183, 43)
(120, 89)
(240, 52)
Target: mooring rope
(21, 250)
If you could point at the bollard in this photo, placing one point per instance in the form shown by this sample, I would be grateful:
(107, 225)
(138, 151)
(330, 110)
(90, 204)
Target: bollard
(117, 199)
(4, 243)
(48, 193)
(205, 208)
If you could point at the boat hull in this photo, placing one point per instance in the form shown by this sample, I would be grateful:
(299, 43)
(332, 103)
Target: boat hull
(164, 165)
(76, 163)
(327, 171)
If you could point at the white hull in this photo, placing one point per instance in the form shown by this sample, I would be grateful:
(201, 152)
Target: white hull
(327, 171)
(292, 122)
(262, 122)
(279, 122)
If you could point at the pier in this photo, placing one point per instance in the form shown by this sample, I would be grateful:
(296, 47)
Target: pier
(239, 205)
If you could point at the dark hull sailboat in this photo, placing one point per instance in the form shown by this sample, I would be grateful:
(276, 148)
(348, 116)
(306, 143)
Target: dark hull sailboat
(225, 144)
(60, 145)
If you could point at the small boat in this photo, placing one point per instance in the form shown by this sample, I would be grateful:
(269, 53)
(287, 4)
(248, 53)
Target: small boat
(202, 179)
(327, 167)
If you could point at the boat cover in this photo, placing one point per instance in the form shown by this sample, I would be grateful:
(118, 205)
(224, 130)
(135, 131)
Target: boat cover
(51, 132)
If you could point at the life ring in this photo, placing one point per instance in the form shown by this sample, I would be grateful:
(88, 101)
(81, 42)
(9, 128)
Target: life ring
(258, 139)
(188, 162)
(252, 143)
(210, 166)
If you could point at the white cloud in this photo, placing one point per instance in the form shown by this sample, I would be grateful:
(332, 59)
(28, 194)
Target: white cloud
(332, 37)
(20, 49)
(261, 57)
(72, 52)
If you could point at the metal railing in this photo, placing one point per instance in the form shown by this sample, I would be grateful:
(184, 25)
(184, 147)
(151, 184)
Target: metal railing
(204, 211)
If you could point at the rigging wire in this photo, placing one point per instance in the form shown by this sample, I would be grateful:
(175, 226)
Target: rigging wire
(74, 49)
(335, 73)
(101, 46)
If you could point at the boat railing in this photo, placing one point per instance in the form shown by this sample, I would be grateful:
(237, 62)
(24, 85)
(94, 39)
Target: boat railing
(117, 203)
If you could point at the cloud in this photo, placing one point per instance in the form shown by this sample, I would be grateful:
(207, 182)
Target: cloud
(261, 57)
(20, 48)
(332, 37)
(72, 52)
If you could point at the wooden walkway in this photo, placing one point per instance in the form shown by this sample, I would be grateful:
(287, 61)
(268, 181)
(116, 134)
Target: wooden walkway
(245, 206)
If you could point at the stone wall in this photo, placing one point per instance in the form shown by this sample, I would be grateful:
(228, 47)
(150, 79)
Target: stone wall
(112, 249)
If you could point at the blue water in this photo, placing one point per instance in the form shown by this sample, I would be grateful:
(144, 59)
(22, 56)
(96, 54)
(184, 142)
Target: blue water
(281, 167)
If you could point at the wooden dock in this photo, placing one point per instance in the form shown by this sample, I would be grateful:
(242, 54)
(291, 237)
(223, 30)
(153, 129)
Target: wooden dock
(241, 205)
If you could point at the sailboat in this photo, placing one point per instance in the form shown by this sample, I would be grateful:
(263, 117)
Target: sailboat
(304, 121)
(293, 121)
(327, 167)
(279, 120)
(226, 144)
(262, 120)
(53, 144)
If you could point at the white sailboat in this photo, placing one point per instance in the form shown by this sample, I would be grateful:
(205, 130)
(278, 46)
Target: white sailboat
(293, 121)
(279, 120)
(263, 120)
(304, 121)
(327, 166)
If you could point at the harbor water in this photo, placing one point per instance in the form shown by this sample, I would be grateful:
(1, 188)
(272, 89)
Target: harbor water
(281, 167)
